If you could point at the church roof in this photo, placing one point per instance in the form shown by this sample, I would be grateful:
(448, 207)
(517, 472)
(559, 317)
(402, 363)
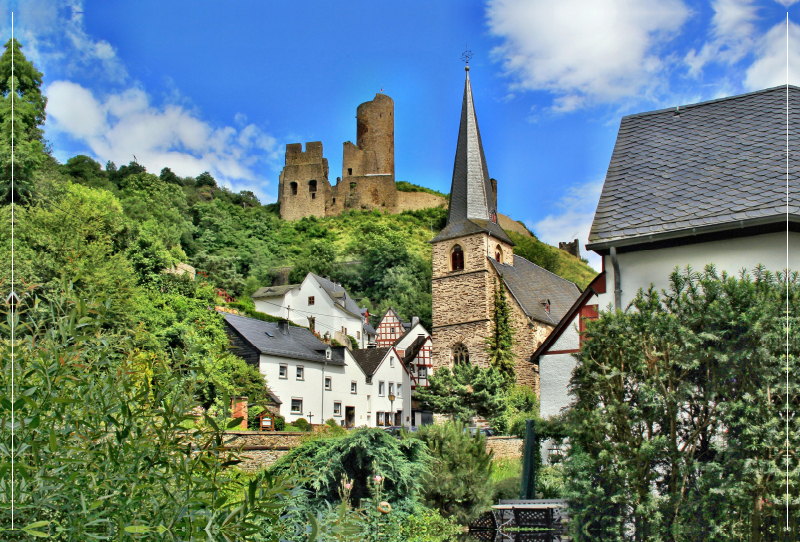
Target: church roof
(472, 204)
(703, 167)
(531, 285)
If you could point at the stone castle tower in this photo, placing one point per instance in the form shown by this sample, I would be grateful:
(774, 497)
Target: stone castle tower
(473, 253)
(367, 180)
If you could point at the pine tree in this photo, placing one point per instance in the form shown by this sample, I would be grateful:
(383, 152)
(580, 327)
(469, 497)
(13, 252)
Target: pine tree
(22, 93)
(500, 344)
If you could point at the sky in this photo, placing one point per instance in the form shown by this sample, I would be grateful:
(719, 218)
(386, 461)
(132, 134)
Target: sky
(224, 86)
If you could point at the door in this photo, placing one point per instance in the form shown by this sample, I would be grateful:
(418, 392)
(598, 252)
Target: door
(350, 416)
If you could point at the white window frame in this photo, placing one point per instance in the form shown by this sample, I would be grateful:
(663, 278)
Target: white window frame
(293, 411)
(381, 388)
(337, 404)
(283, 371)
(300, 370)
(391, 388)
(328, 383)
(391, 361)
(353, 387)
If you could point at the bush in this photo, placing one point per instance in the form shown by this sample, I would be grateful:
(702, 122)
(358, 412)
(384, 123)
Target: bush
(353, 342)
(280, 423)
(302, 424)
(459, 482)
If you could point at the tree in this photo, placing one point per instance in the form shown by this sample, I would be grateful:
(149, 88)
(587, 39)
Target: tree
(459, 481)
(21, 95)
(205, 179)
(467, 391)
(86, 171)
(679, 428)
(500, 344)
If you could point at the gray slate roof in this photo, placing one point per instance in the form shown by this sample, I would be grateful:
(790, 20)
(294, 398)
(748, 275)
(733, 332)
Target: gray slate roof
(370, 358)
(299, 343)
(272, 291)
(339, 296)
(716, 163)
(472, 201)
(530, 284)
(369, 330)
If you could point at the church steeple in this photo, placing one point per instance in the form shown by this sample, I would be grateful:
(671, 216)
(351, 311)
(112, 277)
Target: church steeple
(472, 204)
(471, 194)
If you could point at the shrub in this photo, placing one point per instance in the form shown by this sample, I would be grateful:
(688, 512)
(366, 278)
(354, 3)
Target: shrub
(302, 424)
(459, 482)
(353, 342)
(280, 423)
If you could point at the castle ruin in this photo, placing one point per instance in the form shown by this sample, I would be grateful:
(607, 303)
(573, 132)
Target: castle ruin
(367, 180)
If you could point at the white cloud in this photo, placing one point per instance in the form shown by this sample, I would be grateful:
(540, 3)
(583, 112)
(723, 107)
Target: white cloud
(574, 221)
(769, 69)
(732, 35)
(787, 3)
(125, 124)
(585, 52)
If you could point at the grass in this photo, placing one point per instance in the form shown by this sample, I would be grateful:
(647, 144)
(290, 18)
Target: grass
(505, 468)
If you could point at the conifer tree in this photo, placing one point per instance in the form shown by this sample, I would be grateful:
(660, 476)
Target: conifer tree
(500, 344)
(20, 93)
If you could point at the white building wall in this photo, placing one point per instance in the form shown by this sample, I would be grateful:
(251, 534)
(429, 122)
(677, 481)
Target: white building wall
(400, 378)
(412, 336)
(639, 269)
(555, 372)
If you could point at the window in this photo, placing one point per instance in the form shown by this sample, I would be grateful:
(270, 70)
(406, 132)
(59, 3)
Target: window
(391, 388)
(358, 334)
(334, 201)
(423, 372)
(283, 371)
(337, 409)
(380, 388)
(457, 258)
(498, 254)
(312, 185)
(379, 418)
(294, 188)
(353, 387)
(299, 374)
(399, 388)
(313, 195)
(349, 171)
(391, 361)
(369, 403)
(392, 330)
(460, 354)
(297, 406)
(310, 300)
(328, 383)
(353, 189)
(328, 353)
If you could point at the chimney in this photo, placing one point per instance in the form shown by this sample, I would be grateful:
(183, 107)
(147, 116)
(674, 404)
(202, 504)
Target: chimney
(283, 327)
(414, 320)
(239, 409)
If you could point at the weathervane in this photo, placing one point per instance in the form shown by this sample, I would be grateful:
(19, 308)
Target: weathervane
(466, 56)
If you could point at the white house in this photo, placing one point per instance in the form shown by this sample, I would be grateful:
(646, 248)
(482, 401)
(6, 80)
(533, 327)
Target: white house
(318, 303)
(701, 184)
(315, 381)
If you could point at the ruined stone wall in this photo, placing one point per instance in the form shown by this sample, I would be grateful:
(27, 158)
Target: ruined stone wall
(303, 186)
(364, 192)
(414, 201)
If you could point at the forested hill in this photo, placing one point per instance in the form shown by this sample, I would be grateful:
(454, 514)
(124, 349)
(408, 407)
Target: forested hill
(238, 242)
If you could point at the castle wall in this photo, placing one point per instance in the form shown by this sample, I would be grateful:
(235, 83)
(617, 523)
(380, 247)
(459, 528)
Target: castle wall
(414, 201)
(364, 192)
(303, 172)
(375, 133)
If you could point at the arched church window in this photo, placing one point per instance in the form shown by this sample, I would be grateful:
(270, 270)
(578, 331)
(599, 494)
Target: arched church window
(294, 188)
(457, 258)
(498, 254)
(460, 354)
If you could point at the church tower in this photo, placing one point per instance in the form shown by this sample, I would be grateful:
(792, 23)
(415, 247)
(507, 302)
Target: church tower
(463, 273)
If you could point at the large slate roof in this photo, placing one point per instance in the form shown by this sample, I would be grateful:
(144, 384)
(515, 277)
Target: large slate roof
(710, 165)
(370, 358)
(298, 343)
(339, 295)
(530, 284)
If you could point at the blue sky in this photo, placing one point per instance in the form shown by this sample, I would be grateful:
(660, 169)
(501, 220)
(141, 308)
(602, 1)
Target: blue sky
(224, 86)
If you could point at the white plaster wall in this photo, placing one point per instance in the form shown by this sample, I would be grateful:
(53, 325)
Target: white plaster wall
(399, 376)
(639, 269)
(555, 371)
(409, 339)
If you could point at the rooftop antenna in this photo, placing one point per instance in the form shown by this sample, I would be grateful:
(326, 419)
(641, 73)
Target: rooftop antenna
(466, 56)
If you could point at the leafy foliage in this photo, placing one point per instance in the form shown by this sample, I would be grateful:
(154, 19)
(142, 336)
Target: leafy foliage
(679, 430)
(459, 481)
(500, 343)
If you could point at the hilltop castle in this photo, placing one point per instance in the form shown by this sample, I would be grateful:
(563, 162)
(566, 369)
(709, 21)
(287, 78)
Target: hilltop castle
(367, 180)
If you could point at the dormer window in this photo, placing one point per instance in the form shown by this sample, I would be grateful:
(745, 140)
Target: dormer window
(546, 305)
(456, 258)
(328, 353)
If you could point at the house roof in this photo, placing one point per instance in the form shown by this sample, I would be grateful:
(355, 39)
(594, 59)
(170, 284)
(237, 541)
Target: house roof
(339, 295)
(472, 203)
(569, 317)
(530, 284)
(369, 330)
(412, 351)
(273, 291)
(705, 167)
(369, 359)
(297, 342)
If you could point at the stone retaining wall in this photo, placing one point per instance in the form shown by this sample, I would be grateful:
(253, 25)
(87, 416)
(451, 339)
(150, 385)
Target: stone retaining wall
(505, 447)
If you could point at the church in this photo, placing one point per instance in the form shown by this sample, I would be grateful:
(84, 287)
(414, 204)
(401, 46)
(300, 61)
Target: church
(472, 254)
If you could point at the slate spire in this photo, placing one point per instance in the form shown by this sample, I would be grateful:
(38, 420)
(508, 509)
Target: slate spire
(471, 196)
